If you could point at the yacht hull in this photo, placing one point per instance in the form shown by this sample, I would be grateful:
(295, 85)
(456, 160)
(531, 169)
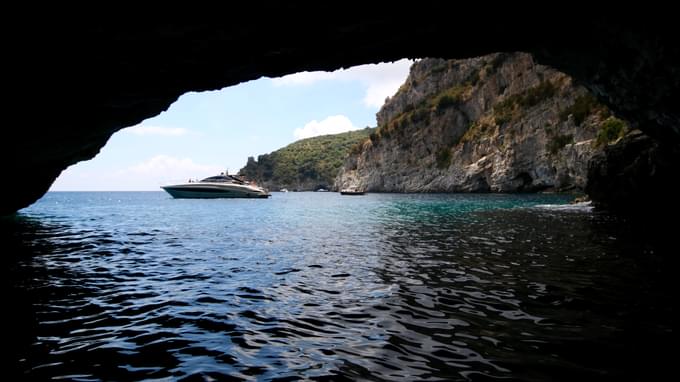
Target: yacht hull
(193, 191)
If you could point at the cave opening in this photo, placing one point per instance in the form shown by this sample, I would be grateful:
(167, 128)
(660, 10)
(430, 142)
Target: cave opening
(319, 286)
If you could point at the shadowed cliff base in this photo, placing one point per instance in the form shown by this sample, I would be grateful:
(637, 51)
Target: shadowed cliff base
(77, 80)
(636, 176)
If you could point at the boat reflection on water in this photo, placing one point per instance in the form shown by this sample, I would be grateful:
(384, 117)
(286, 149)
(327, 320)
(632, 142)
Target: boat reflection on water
(219, 186)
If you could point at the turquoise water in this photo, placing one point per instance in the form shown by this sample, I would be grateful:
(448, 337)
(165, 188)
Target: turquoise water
(119, 286)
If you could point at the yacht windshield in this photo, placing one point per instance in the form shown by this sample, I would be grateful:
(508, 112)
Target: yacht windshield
(219, 178)
(223, 179)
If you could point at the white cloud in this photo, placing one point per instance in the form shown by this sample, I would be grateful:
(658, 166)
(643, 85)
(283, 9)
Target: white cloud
(381, 80)
(305, 78)
(331, 125)
(148, 175)
(378, 92)
(170, 166)
(157, 130)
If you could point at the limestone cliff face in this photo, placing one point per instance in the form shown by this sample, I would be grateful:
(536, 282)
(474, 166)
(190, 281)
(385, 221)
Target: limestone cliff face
(497, 123)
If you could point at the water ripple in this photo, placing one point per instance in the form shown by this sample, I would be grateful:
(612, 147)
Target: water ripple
(307, 286)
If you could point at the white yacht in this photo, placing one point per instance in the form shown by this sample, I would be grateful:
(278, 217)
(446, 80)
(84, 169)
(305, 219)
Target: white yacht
(220, 186)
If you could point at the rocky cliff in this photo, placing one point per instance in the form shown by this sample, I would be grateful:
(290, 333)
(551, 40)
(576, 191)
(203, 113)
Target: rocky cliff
(497, 123)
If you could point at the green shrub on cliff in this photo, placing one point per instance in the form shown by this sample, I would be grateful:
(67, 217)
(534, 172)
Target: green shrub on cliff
(610, 130)
(444, 157)
(450, 97)
(557, 142)
(444, 102)
(515, 105)
(315, 160)
(537, 94)
(476, 131)
(583, 106)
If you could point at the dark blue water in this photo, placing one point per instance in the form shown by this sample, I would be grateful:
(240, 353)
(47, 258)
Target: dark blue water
(130, 286)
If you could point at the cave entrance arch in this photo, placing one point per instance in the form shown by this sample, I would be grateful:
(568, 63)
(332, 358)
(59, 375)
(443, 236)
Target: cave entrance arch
(91, 77)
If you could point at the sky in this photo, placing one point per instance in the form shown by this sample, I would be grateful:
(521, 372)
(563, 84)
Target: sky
(203, 134)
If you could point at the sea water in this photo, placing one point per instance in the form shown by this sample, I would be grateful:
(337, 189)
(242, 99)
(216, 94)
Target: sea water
(136, 285)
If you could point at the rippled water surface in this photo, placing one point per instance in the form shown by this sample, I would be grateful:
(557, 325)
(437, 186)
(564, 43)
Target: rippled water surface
(121, 286)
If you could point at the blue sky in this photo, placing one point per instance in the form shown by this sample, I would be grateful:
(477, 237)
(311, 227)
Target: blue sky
(205, 133)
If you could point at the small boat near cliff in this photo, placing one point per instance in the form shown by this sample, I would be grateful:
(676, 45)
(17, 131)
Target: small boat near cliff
(352, 191)
(220, 186)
